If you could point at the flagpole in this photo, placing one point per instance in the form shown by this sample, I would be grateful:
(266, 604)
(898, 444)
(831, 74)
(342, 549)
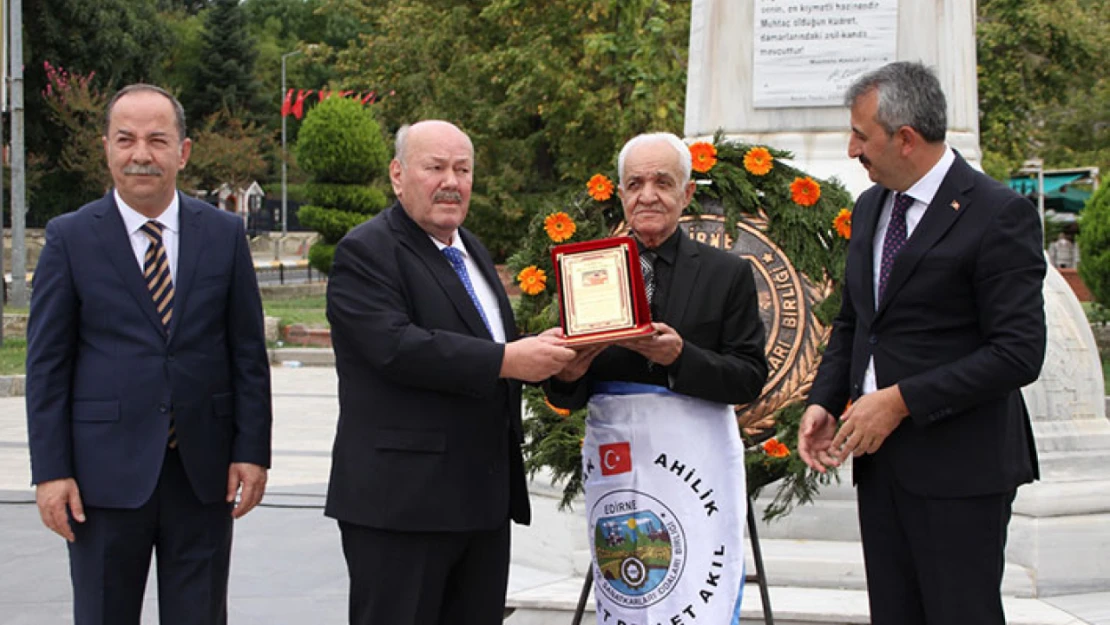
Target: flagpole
(284, 158)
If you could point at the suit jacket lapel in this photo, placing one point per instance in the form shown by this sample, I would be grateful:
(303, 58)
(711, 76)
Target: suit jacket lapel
(867, 221)
(686, 267)
(421, 244)
(949, 203)
(114, 238)
(189, 245)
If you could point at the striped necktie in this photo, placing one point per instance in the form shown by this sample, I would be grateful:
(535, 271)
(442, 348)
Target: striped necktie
(647, 266)
(159, 281)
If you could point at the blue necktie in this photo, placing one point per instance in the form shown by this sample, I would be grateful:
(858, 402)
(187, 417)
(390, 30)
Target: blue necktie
(895, 238)
(456, 258)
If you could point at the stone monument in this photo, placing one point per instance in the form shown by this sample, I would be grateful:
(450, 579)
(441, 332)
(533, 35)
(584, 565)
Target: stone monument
(774, 72)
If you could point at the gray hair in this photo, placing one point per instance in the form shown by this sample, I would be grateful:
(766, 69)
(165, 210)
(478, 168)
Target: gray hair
(909, 95)
(178, 110)
(399, 143)
(685, 161)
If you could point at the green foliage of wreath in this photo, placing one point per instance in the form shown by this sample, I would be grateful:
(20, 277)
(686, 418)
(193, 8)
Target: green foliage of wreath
(813, 234)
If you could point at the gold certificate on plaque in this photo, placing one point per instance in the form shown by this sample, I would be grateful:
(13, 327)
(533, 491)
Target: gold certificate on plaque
(601, 289)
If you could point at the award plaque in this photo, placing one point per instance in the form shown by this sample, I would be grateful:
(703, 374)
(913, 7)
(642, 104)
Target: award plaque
(601, 291)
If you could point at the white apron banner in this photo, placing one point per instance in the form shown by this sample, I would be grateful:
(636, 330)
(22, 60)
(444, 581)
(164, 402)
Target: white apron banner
(665, 506)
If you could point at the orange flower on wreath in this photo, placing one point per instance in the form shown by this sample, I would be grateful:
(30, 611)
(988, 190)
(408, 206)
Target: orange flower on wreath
(559, 226)
(758, 161)
(805, 191)
(600, 187)
(532, 280)
(772, 447)
(562, 412)
(843, 223)
(703, 155)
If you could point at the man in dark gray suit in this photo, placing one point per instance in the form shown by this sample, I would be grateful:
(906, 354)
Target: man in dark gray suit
(148, 382)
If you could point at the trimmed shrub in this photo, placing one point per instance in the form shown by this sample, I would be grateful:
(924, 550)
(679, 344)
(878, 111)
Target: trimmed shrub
(331, 223)
(347, 197)
(320, 256)
(341, 142)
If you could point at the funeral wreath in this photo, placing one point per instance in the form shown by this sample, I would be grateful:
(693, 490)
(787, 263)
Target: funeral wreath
(807, 219)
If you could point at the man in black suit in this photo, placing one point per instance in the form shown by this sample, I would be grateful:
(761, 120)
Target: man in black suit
(942, 323)
(709, 340)
(427, 467)
(148, 382)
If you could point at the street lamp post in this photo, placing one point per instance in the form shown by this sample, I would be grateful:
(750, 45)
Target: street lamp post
(284, 156)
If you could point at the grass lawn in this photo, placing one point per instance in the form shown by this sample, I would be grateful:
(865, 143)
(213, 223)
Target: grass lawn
(305, 310)
(13, 354)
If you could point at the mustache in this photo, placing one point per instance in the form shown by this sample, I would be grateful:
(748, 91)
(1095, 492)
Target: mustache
(142, 170)
(447, 196)
(863, 159)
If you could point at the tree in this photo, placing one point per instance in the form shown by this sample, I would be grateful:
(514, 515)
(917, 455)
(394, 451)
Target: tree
(77, 107)
(1036, 58)
(342, 147)
(547, 91)
(224, 79)
(122, 41)
(226, 150)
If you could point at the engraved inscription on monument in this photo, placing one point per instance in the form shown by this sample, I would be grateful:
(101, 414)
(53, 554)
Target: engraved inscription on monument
(807, 52)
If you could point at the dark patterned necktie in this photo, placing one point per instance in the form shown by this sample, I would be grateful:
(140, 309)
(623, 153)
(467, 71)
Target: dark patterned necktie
(647, 266)
(459, 265)
(159, 281)
(895, 238)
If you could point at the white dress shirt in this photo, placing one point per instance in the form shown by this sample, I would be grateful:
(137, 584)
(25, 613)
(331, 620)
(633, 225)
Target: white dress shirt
(170, 220)
(486, 295)
(922, 193)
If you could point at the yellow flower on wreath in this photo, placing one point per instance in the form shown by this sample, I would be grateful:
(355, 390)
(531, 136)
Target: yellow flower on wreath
(532, 280)
(758, 161)
(600, 187)
(703, 156)
(805, 191)
(559, 226)
(843, 223)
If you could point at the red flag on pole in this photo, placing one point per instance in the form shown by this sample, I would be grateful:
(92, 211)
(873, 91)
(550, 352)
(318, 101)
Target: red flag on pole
(287, 104)
(298, 106)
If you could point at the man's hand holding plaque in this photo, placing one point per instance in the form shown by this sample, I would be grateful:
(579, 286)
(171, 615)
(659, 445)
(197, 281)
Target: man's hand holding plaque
(601, 292)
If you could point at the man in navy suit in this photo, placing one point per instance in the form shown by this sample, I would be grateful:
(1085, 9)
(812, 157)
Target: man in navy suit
(427, 468)
(942, 323)
(148, 388)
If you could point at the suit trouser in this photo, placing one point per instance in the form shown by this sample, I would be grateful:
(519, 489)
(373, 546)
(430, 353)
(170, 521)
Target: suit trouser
(426, 578)
(931, 561)
(110, 559)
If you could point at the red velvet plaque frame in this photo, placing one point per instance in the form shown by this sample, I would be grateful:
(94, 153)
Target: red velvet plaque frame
(601, 291)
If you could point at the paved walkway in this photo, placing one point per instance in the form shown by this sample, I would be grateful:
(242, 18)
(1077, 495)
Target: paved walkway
(287, 567)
